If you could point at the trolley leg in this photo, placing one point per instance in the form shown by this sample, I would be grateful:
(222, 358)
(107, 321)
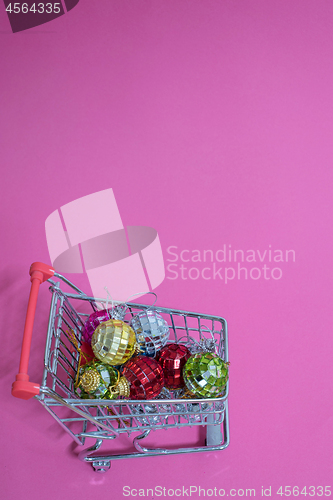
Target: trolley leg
(98, 464)
(101, 465)
(214, 434)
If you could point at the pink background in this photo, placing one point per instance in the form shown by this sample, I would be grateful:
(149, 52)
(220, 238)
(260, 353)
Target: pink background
(212, 121)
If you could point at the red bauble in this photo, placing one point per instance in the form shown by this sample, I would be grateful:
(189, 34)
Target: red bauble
(172, 359)
(145, 376)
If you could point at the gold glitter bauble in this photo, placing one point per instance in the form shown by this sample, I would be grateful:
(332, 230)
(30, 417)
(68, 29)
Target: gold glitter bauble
(95, 379)
(113, 342)
(122, 388)
(90, 380)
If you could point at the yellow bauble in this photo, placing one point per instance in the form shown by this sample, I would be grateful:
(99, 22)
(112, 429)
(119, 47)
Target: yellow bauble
(113, 342)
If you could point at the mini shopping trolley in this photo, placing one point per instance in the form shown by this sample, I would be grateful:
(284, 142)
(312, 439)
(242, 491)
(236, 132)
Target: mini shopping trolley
(102, 419)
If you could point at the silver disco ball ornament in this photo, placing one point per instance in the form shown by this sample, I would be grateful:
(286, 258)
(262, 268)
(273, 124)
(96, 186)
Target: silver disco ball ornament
(146, 414)
(151, 331)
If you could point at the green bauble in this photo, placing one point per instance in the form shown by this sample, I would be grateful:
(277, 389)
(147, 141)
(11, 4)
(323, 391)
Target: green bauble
(95, 379)
(206, 375)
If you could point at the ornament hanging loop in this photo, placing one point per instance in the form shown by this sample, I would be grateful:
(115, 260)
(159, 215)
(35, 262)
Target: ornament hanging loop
(140, 294)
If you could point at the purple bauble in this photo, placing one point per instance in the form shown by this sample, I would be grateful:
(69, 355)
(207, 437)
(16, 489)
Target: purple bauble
(92, 323)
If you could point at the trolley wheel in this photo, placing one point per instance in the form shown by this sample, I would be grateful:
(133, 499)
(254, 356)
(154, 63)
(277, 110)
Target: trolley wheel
(101, 465)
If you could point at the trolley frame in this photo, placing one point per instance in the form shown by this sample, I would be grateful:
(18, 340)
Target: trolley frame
(107, 419)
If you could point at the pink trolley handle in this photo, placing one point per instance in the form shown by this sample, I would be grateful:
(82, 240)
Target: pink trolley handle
(22, 388)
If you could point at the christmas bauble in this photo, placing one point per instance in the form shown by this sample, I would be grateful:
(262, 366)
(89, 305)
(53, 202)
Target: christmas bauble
(145, 376)
(206, 375)
(95, 379)
(195, 411)
(172, 359)
(92, 323)
(86, 352)
(147, 414)
(113, 342)
(151, 330)
(98, 317)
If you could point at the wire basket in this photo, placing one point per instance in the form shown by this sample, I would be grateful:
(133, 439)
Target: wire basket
(108, 419)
